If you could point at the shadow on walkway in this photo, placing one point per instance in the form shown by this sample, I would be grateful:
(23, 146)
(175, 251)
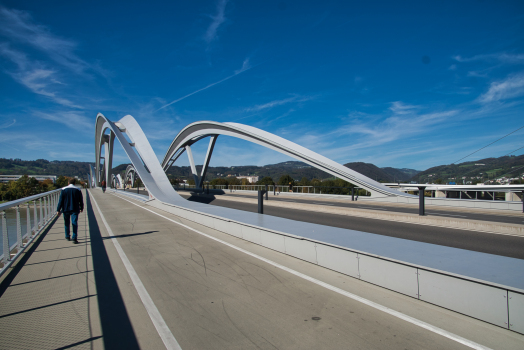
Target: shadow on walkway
(116, 326)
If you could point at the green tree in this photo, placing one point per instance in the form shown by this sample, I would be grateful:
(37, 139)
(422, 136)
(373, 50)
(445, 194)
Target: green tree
(218, 182)
(304, 181)
(265, 181)
(62, 181)
(285, 180)
(233, 181)
(191, 181)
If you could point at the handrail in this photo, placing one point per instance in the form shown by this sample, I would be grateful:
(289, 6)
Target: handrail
(16, 202)
(44, 210)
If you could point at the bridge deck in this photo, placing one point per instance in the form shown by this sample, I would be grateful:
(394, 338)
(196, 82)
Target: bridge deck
(210, 295)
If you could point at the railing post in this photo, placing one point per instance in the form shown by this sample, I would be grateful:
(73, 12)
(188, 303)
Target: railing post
(28, 221)
(41, 213)
(35, 228)
(522, 201)
(18, 228)
(5, 237)
(267, 192)
(352, 194)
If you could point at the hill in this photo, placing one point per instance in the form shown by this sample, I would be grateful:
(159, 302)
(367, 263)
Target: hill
(474, 172)
(43, 167)
(296, 170)
(382, 174)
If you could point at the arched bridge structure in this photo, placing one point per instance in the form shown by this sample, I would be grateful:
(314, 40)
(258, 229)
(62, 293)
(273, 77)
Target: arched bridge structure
(202, 129)
(152, 173)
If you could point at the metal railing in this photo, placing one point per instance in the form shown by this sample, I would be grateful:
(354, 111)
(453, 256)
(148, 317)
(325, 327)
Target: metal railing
(279, 188)
(43, 208)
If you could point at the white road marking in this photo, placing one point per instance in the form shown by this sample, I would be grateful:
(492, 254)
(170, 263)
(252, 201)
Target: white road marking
(159, 323)
(385, 309)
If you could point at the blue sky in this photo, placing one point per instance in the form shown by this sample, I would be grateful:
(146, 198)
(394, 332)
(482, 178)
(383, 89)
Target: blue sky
(400, 84)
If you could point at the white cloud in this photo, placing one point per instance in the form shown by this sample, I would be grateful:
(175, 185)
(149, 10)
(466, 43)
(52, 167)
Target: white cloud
(217, 20)
(501, 57)
(276, 103)
(512, 86)
(398, 107)
(70, 119)
(20, 27)
(245, 67)
(8, 124)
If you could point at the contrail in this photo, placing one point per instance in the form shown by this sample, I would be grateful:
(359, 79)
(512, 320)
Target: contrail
(204, 88)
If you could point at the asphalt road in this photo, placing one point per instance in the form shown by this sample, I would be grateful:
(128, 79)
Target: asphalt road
(511, 218)
(491, 243)
(212, 296)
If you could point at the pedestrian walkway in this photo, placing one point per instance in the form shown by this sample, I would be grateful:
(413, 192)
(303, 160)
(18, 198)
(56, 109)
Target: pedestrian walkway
(210, 290)
(59, 295)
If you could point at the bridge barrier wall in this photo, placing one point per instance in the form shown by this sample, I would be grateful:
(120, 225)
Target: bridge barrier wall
(496, 304)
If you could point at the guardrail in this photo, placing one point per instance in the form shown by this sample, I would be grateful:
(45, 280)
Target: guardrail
(281, 188)
(44, 210)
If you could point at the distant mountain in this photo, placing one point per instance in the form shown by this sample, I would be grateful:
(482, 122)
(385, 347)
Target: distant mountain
(296, 170)
(43, 167)
(382, 174)
(476, 171)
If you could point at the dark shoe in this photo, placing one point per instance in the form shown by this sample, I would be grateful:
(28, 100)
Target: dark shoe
(68, 238)
(75, 241)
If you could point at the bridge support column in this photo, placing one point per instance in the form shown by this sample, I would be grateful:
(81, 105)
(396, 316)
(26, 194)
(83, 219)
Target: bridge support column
(207, 159)
(421, 209)
(193, 167)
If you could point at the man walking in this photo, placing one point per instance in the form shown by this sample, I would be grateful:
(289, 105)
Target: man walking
(71, 203)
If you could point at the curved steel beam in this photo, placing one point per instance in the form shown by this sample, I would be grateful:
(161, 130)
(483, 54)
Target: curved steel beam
(201, 129)
(130, 174)
(144, 160)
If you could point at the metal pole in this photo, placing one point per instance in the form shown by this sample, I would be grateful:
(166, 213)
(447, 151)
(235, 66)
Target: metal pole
(35, 217)
(522, 201)
(260, 202)
(7, 257)
(18, 228)
(267, 192)
(41, 213)
(352, 194)
(421, 209)
(28, 221)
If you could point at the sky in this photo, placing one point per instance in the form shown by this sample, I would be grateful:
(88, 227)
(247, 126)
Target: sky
(409, 84)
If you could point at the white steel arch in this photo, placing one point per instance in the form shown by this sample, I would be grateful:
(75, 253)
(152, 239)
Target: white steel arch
(145, 163)
(144, 159)
(201, 129)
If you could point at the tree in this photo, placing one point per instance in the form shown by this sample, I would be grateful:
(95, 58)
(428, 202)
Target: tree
(304, 181)
(62, 181)
(265, 181)
(218, 182)
(233, 181)
(245, 182)
(191, 181)
(286, 180)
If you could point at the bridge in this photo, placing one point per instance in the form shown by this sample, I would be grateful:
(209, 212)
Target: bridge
(190, 269)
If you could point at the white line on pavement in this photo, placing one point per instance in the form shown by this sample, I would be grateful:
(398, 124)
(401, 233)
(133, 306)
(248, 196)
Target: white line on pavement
(159, 323)
(385, 309)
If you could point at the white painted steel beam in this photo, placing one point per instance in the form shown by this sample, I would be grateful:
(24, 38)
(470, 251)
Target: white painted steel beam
(198, 130)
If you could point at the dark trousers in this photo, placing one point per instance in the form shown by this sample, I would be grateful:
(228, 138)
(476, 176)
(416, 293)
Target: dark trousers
(73, 219)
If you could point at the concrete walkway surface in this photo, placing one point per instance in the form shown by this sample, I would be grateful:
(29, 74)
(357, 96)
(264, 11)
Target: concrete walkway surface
(209, 294)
